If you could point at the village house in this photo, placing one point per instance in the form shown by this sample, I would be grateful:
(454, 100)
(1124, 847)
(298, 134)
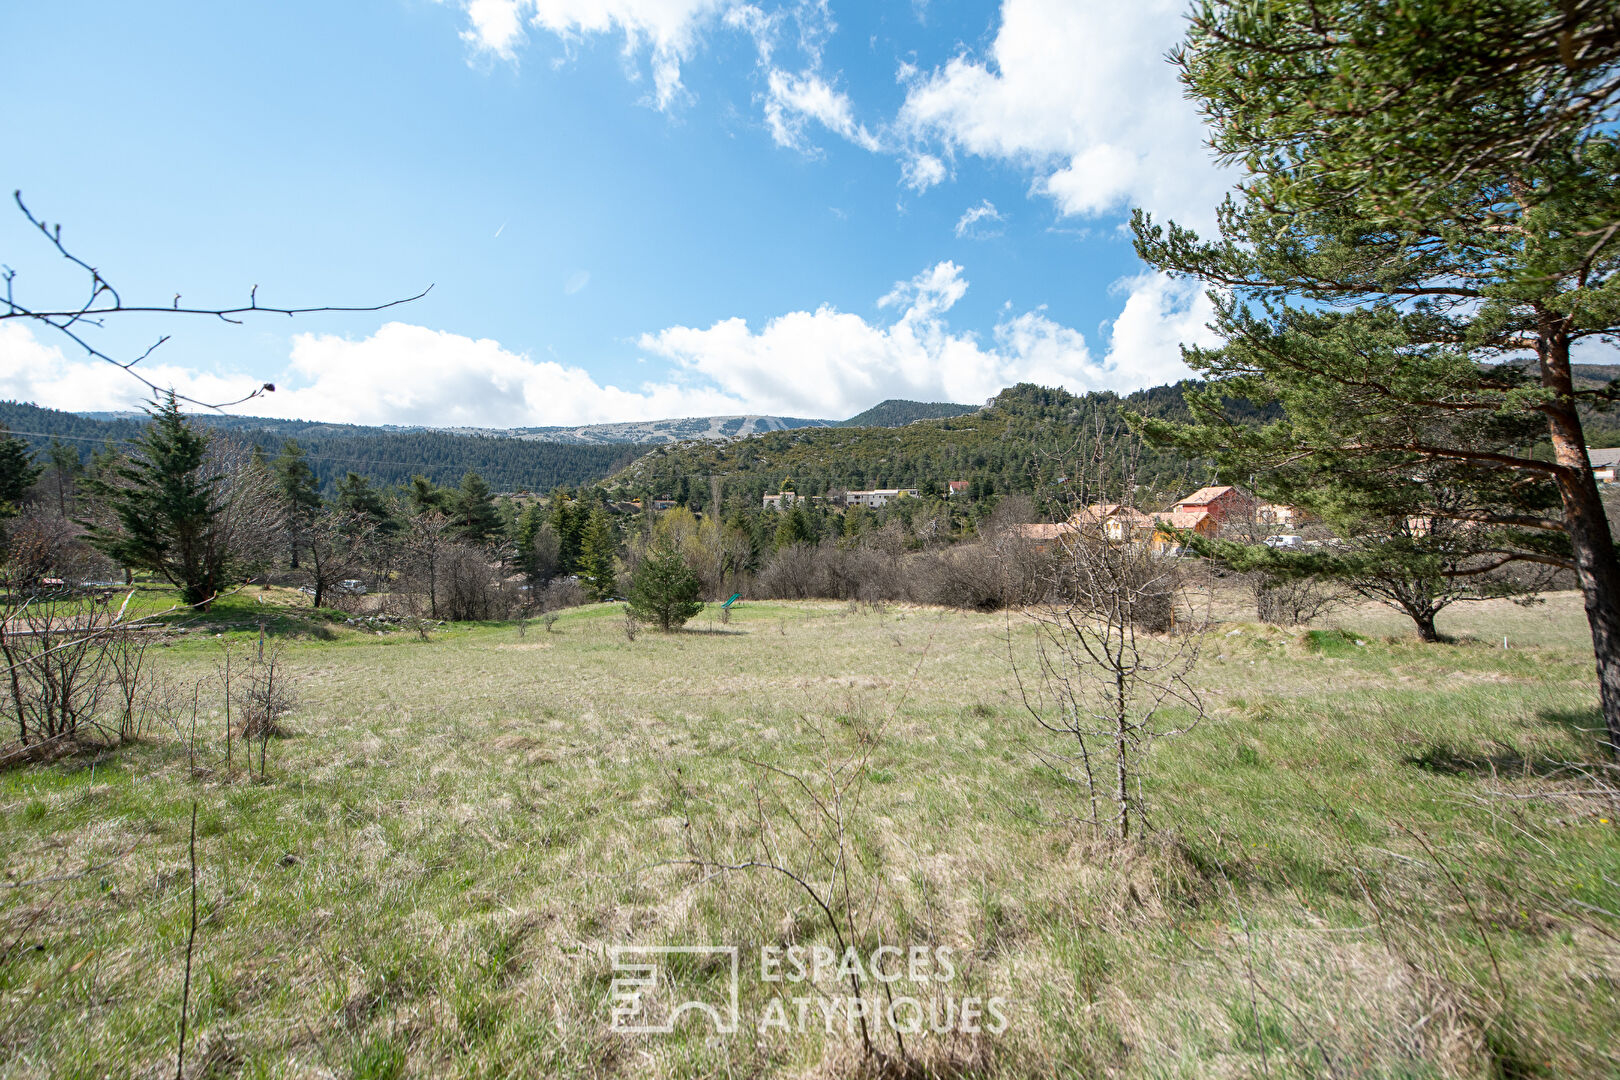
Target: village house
(878, 497)
(1118, 522)
(1042, 535)
(1280, 514)
(1168, 523)
(956, 487)
(780, 500)
(1220, 502)
(1605, 463)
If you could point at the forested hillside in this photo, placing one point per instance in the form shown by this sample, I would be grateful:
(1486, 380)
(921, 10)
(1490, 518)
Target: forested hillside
(381, 455)
(1022, 442)
(896, 412)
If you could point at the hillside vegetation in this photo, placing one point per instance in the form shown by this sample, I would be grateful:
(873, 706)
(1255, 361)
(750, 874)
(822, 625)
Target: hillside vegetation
(897, 412)
(1022, 442)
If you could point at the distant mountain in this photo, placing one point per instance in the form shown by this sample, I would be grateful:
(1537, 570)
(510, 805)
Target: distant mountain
(383, 455)
(708, 428)
(624, 432)
(892, 413)
(897, 412)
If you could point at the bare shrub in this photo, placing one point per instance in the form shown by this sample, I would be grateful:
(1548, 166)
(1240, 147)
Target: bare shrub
(58, 672)
(872, 570)
(470, 591)
(1291, 601)
(632, 626)
(1116, 644)
(267, 693)
(562, 593)
(550, 620)
(40, 545)
(133, 684)
(970, 576)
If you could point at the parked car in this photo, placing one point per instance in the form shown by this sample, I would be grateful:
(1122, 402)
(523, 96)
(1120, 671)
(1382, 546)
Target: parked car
(352, 586)
(1286, 542)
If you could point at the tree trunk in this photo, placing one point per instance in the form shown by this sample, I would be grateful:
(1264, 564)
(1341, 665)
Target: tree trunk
(1122, 775)
(1425, 625)
(1588, 529)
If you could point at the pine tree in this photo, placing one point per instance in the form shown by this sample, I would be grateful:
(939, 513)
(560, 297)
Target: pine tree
(1400, 246)
(664, 590)
(536, 543)
(299, 490)
(475, 514)
(18, 472)
(568, 520)
(794, 529)
(164, 507)
(355, 495)
(597, 550)
(424, 496)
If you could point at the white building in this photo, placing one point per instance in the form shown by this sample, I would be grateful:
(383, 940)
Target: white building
(878, 497)
(1605, 463)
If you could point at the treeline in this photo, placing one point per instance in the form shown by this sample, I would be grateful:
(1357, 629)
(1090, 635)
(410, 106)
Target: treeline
(205, 510)
(335, 450)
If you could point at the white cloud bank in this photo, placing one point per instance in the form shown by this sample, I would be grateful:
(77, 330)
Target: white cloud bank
(822, 363)
(1080, 95)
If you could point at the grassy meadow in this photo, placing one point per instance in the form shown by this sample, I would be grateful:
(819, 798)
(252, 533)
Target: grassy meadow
(1369, 859)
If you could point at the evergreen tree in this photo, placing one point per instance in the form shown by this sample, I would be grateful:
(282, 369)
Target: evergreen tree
(424, 496)
(18, 472)
(596, 552)
(475, 515)
(164, 506)
(664, 590)
(299, 490)
(568, 519)
(537, 544)
(794, 529)
(1386, 298)
(355, 495)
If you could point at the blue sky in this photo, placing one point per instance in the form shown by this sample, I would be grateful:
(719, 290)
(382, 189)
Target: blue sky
(627, 208)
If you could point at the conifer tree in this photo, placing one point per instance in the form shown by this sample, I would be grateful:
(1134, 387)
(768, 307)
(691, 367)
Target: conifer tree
(664, 590)
(18, 472)
(175, 508)
(300, 491)
(475, 514)
(1404, 270)
(596, 554)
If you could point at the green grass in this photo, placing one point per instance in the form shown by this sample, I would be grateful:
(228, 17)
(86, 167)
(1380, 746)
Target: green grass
(453, 833)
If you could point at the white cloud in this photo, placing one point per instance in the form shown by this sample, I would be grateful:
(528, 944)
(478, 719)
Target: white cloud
(668, 28)
(820, 363)
(576, 281)
(1082, 96)
(920, 172)
(791, 100)
(37, 371)
(832, 363)
(968, 223)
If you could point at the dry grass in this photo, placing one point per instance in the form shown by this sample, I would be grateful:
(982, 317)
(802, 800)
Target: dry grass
(1345, 881)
